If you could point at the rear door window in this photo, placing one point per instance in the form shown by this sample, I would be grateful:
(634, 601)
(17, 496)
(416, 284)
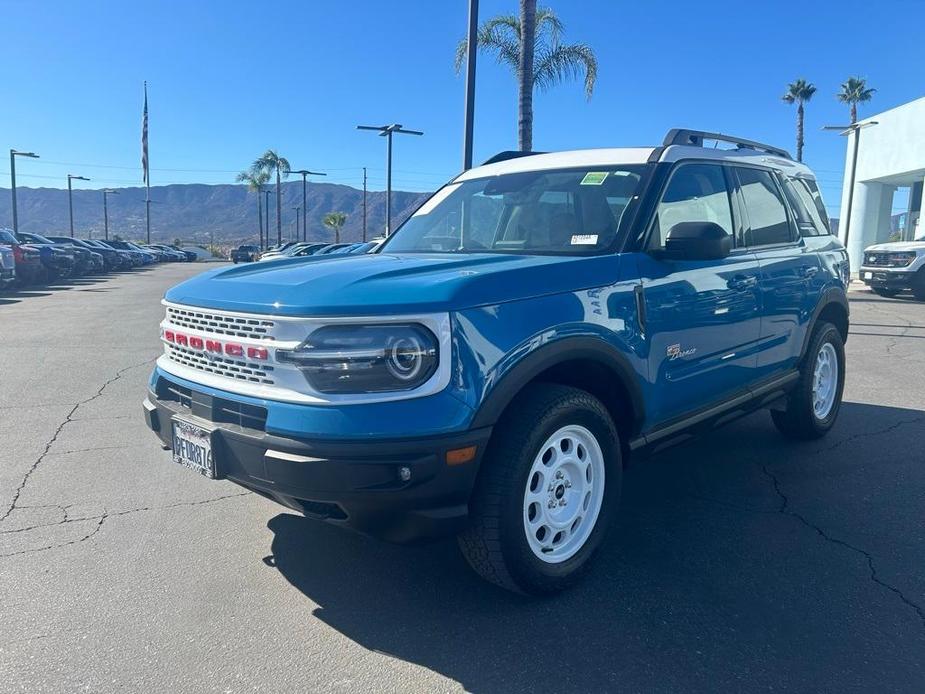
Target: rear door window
(765, 211)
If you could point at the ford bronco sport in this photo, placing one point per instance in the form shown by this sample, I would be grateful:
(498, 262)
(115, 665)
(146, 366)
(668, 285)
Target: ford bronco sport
(490, 369)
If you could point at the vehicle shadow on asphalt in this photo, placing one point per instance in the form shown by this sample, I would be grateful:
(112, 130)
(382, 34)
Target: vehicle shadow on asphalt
(713, 579)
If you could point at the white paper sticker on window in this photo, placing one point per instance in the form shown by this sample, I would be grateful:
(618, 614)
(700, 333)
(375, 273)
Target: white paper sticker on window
(436, 199)
(584, 239)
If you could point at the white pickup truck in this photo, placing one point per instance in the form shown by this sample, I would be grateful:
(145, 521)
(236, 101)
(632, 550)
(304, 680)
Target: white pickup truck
(890, 268)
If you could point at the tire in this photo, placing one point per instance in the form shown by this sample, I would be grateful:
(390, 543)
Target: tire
(805, 418)
(918, 285)
(887, 293)
(547, 429)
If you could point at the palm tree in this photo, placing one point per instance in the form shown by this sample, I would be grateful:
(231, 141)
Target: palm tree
(335, 220)
(540, 61)
(799, 93)
(271, 163)
(855, 91)
(255, 181)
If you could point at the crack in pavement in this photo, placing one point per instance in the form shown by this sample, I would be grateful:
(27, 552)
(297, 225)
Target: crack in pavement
(865, 434)
(784, 509)
(103, 518)
(54, 437)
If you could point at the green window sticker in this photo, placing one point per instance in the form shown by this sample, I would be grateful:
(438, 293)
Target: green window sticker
(594, 178)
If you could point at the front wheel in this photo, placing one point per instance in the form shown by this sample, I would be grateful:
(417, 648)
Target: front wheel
(918, 285)
(812, 407)
(548, 487)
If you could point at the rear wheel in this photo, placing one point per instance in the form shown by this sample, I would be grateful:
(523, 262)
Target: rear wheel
(812, 407)
(549, 485)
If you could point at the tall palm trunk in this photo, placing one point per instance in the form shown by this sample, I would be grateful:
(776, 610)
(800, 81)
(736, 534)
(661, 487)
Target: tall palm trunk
(854, 113)
(800, 132)
(279, 208)
(525, 75)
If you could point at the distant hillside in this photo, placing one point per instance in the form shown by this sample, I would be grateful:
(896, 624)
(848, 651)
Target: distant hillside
(195, 211)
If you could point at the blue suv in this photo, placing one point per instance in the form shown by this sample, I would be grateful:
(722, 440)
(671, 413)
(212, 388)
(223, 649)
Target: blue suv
(490, 369)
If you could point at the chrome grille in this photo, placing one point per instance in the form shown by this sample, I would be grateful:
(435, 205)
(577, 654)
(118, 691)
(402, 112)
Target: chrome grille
(221, 365)
(220, 323)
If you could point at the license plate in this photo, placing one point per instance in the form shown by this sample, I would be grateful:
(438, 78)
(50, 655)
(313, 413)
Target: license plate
(868, 275)
(192, 447)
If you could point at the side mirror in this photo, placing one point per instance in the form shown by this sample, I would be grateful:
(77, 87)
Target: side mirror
(697, 241)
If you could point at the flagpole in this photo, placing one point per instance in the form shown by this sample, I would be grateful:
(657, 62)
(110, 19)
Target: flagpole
(147, 172)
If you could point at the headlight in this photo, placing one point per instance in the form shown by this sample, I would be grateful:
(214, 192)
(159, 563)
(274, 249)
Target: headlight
(366, 358)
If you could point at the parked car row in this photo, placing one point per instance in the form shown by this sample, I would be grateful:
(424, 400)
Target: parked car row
(28, 259)
(296, 249)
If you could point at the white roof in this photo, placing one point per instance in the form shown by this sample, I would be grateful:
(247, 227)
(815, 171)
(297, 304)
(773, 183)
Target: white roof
(561, 160)
(630, 155)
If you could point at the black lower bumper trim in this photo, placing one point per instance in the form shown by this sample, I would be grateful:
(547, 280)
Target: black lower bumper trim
(399, 490)
(888, 280)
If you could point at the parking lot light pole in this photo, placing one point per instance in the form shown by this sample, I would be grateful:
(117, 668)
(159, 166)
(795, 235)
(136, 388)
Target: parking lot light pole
(296, 208)
(847, 130)
(266, 208)
(13, 154)
(107, 191)
(304, 173)
(70, 201)
(471, 53)
(386, 132)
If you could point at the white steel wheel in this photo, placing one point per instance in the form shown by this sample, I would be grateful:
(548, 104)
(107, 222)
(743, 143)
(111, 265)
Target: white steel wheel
(825, 381)
(563, 494)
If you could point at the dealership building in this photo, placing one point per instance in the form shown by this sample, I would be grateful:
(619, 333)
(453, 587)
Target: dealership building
(890, 167)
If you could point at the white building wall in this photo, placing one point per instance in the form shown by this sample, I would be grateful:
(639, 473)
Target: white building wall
(891, 153)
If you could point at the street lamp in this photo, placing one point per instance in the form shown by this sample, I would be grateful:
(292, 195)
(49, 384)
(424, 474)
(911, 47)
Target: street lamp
(13, 154)
(471, 52)
(107, 191)
(296, 208)
(846, 130)
(304, 173)
(386, 132)
(70, 201)
(266, 207)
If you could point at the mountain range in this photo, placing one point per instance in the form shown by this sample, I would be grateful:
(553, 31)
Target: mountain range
(202, 213)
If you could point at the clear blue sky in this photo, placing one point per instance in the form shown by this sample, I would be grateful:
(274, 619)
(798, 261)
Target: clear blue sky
(228, 79)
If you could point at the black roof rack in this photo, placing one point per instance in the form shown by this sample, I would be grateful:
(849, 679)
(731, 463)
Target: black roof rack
(508, 154)
(695, 138)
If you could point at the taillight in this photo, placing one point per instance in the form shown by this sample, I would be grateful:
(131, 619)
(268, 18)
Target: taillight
(18, 255)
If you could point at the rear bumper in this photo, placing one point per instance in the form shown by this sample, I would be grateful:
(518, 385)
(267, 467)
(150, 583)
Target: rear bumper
(355, 483)
(880, 278)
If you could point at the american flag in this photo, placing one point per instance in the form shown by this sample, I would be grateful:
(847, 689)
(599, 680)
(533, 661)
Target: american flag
(144, 138)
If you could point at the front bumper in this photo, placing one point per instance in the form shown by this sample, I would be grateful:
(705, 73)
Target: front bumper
(880, 278)
(354, 483)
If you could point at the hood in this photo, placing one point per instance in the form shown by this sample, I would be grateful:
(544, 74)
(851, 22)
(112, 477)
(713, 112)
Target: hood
(896, 247)
(389, 284)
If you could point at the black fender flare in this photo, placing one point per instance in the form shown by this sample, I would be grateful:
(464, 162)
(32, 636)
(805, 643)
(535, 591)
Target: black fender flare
(565, 349)
(832, 295)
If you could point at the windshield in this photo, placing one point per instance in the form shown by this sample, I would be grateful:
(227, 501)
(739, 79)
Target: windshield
(564, 211)
(36, 238)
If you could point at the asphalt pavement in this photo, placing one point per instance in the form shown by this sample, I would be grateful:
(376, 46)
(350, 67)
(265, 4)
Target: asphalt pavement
(739, 562)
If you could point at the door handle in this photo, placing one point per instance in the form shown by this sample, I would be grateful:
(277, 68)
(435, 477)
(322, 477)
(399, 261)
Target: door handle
(809, 271)
(742, 282)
